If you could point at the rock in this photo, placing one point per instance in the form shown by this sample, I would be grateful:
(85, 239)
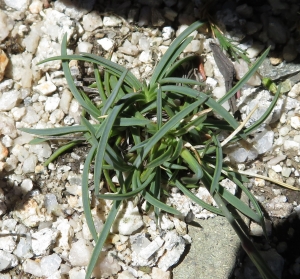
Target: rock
(32, 267)
(151, 248)
(50, 264)
(128, 220)
(65, 101)
(6, 24)
(273, 259)
(295, 122)
(56, 116)
(20, 5)
(36, 7)
(126, 275)
(144, 43)
(31, 41)
(145, 15)
(80, 253)
(24, 249)
(157, 18)
(174, 246)
(7, 260)
(111, 21)
(42, 150)
(7, 126)
(106, 43)
(146, 56)
(52, 103)
(129, 49)
(241, 68)
(31, 116)
(263, 142)
(279, 207)
(3, 152)
(170, 14)
(3, 63)
(74, 8)
(159, 273)
(245, 11)
(277, 31)
(106, 266)
(92, 21)
(167, 33)
(29, 164)
(289, 51)
(42, 239)
(26, 185)
(255, 50)
(66, 232)
(84, 47)
(9, 100)
(7, 243)
(75, 111)
(76, 273)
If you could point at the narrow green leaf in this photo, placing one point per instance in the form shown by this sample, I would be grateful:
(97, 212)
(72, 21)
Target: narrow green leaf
(219, 165)
(114, 94)
(85, 193)
(101, 240)
(156, 203)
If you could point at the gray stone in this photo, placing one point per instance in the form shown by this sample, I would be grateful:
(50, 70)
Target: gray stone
(277, 30)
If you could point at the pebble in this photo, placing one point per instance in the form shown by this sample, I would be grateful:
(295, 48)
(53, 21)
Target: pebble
(241, 68)
(80, 253)
(46, 88)
(128, 220)
(50, 264)
(9, 100)
(255, 50)
(7, 260)
(7, 126)
(84, 47)
(19, 5)
(52, 103)
(111, 21)
(106, 43)
(3, 63)
(91, 21)
(146, 56)
(6, 24)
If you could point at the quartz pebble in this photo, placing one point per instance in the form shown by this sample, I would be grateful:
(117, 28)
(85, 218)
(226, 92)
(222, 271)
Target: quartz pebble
(3, 63)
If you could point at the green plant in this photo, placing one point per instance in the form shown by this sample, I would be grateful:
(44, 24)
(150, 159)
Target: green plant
(156, 136)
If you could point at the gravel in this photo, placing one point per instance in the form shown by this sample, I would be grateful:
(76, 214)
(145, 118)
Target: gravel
(43, 229)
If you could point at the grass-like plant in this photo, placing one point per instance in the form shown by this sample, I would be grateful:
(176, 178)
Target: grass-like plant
(156, 136)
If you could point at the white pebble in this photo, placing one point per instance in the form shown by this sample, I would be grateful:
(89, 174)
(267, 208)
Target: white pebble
(146, 56)
(167, 33)
(295, 122)
(52, 103)
(26, 185)
(41, 240)
(84, 47)
(111, 21)
(91, 21)
(50, 264)
(65, 101)
(46, 88)
(80, 253)
(32, 267)
(9, 100)
(106, 43)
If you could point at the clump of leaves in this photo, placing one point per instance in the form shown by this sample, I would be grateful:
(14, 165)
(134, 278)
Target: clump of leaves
(156, 136)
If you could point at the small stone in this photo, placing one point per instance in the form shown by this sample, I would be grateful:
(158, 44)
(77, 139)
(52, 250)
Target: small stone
(46, 88)
(7, 243)
(127, 275)
(159, 273)
(65, 101)
(76, 273)
(193, 46)
(31, 116)
(7, 260)
(111, 21)
(32, 267)
(6, 24)
(19, 5)
(146, 56)
(295, 91)
(3, 62)
(275, 60)
(144, 43)
(286, 172)
(7, 126)
(84, 47)
(42, 239)
(129, 49)
(279, 207)
(255, 50)
(283, 131)
(148, 251)
(42, 150)
(80, 253)
(106, 266)
(145, 15)
(26, 185)
(277, 168)
(50, 264)
(289, 51)
(56, 116)
(106, 43)
(9, 100)
(52, 103)
(29, 164)
(295, 122)
(36, 7)
(181, 28)
(241, 68)
(277, 30)
(92, 21)
(128, 220)
(3, 152)
(75, 10)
